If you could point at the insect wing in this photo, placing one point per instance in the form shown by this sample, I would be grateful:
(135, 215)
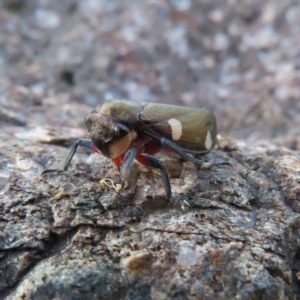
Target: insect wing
(192, 129)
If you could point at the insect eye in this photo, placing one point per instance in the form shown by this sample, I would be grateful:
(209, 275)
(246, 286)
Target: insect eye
(120, 131)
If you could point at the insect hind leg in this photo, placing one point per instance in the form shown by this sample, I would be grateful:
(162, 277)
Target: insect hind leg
(164, 142)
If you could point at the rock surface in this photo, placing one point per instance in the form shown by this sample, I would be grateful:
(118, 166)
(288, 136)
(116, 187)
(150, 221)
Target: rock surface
(66, 236)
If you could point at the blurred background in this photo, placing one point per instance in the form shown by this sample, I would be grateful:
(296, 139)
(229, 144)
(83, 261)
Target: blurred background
(240, 59)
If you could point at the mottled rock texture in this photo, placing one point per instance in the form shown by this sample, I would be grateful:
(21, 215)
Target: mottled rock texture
(66, 236)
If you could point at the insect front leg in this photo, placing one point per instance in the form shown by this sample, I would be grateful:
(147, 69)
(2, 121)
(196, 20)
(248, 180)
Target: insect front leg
(82, 143)
(153, 162)
(127, 163)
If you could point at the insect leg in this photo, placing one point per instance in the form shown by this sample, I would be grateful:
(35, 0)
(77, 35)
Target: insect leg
(82, 143)
(165, 142)
(128, 161)
(157, 164)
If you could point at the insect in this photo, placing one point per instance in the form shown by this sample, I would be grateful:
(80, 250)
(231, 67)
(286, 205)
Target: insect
(125, 131)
